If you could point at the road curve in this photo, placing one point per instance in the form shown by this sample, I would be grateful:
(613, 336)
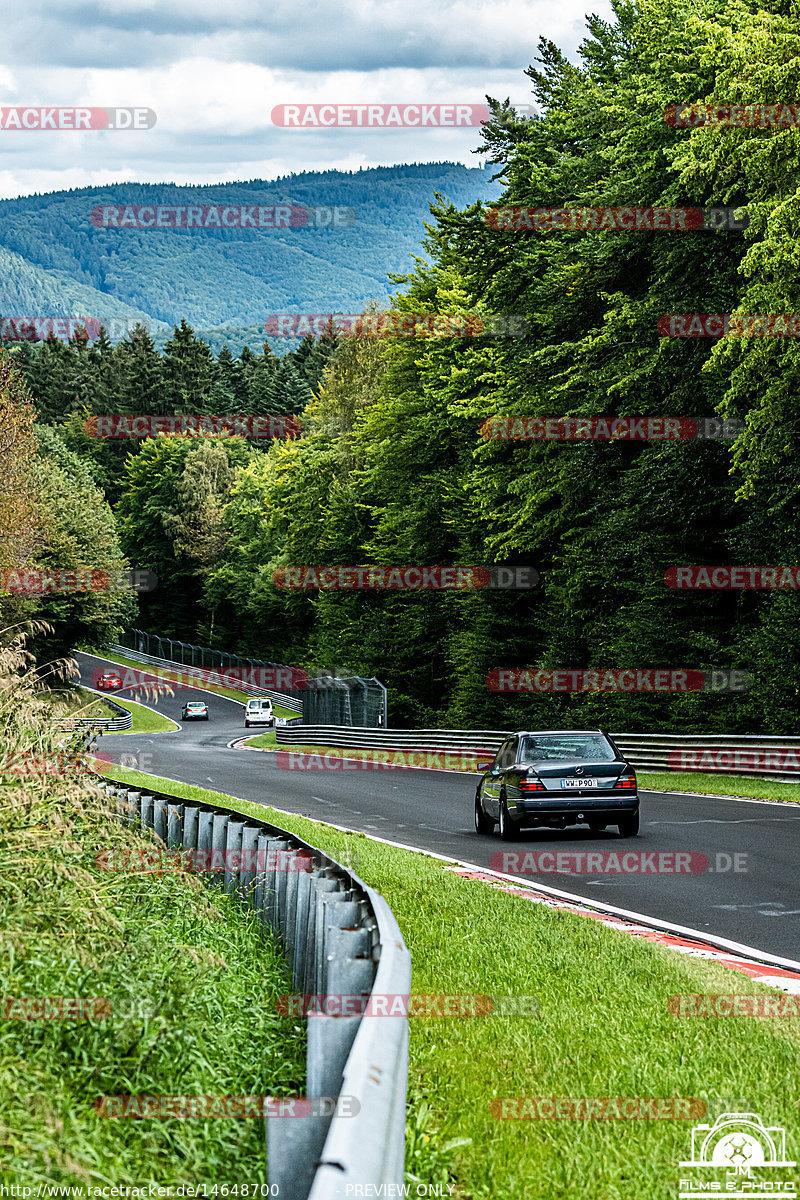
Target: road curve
(433, 810)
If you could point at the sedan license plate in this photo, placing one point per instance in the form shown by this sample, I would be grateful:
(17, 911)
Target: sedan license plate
(579, 783)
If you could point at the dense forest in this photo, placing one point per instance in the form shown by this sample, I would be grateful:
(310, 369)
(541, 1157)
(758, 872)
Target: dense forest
(56, 261)
(390, 467)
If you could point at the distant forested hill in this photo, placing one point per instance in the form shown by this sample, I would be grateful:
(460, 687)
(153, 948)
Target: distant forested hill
(54, 262)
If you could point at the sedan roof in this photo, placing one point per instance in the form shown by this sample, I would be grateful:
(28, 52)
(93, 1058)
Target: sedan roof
(551, 732)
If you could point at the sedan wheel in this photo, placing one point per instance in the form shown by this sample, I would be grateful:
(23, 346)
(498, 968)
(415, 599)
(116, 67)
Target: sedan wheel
(482, 822)
(508, 831)
(629, 826)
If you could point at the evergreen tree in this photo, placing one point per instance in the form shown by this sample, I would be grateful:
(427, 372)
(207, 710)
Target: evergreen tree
(188, 372)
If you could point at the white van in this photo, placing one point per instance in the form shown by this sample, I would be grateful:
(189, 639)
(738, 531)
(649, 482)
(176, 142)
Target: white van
(258, 712)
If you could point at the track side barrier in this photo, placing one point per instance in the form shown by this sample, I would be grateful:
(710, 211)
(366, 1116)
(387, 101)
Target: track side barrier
(123, 720)
(339, 936)
(757, 755)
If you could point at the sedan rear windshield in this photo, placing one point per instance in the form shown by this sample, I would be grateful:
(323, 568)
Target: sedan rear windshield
(544, 748)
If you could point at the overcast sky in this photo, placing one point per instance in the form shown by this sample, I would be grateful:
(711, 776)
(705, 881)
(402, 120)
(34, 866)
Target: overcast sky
(213, 72)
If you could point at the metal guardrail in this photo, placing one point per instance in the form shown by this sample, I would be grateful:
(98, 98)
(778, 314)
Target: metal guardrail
(758, 755)
(109, 724)
(330, 699)
(339, 936)
(393, 739)
(202, 674)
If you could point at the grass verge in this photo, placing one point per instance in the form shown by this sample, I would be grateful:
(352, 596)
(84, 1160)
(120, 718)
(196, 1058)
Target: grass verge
(145, 720)
(719, 785)
(604, 1029)
(190, 980)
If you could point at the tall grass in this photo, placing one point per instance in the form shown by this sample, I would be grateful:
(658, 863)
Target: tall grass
(191, 980)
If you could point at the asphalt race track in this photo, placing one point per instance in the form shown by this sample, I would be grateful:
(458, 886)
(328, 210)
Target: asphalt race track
(433, 810)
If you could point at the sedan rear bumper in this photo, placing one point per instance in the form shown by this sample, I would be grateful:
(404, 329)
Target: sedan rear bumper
(527, 812)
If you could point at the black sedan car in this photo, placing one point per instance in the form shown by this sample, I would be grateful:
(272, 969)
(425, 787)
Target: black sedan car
(195, 710)
(557, 778)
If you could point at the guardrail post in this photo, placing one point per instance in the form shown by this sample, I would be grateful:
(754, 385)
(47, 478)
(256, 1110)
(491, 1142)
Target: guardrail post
(320, 884)
(338, 913)
(277, 848)
(132, 811)
(260, 888)
(205, 835)
(304, 889)
(190, 826)
(174, 826)
(160, 817)
(146, 811)
(218, 840)
(233, 846)
(247, 873)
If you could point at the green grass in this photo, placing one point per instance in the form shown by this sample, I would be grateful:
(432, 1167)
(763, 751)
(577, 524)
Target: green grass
(145, 720)
(164, 672)
(191, 979)
(192, 983)
(718, 785)
(604, 1029)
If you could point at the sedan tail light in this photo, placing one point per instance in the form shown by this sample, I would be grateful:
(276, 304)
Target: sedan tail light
(626, 782)
(531, 784)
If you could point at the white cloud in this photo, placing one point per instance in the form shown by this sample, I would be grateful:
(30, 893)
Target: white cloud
(213, 74)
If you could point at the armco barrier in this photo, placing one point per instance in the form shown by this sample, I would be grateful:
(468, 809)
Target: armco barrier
(757, 755)
(124, 719)
(202, 674)
(324, 699)
(393, 739)
(339, 937)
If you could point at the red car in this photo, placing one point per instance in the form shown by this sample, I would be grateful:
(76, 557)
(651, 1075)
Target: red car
(110, 682)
